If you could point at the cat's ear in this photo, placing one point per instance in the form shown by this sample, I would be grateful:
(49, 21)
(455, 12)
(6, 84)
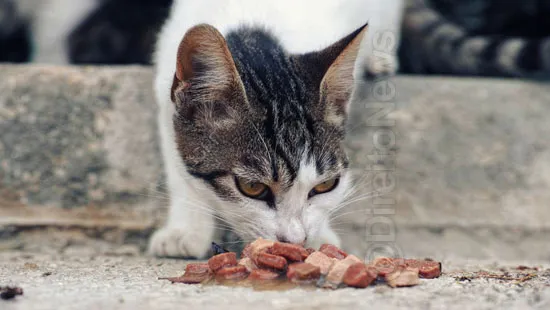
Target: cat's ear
(333, 70)
(206, 78)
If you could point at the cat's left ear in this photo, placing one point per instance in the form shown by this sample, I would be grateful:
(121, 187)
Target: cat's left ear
(333, 70)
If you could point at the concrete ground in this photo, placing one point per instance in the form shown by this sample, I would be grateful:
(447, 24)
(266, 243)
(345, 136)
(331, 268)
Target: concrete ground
(53, 281)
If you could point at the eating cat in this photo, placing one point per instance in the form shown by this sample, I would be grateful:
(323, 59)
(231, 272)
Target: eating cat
(253, 97)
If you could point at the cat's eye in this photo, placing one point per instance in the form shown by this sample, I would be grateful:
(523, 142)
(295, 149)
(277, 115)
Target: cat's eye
(324, 187)
(252, 189)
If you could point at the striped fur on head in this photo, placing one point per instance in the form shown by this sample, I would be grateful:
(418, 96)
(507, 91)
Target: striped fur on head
(246, 107)
(477, 37)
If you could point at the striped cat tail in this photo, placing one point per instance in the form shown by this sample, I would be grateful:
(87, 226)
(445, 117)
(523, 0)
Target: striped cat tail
(433, 45)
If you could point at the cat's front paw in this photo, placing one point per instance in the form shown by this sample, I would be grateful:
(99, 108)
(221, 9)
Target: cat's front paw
(177, 242)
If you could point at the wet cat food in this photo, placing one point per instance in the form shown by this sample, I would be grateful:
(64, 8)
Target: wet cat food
(291, 252)
(402, 276)
(427, 269)
(238, 272)
(359, 275)
(222, 260)
(320, 260)
(332, 251)
(266, 261)
(263, 274)
(303, 272)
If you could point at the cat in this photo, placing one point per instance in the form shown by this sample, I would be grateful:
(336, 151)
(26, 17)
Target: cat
(80, 32)
(477, 38)
(253, 97)
(106, 36)
(14, 46)
(51, 22)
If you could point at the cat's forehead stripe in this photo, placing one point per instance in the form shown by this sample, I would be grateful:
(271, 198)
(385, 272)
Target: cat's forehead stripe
(273, 85)
(276, 89)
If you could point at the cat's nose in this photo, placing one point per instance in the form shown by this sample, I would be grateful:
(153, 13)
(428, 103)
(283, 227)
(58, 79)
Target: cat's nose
(282, 238)
(291, 231)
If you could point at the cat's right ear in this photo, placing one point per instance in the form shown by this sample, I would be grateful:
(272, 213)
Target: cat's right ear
(205, 75)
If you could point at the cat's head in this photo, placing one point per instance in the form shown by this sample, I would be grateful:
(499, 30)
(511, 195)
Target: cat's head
(263, 129)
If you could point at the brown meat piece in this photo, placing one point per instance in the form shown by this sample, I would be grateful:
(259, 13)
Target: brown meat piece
(333, 251)
(354, 258)
(248, 263)
(263, 274)
(427, 269)
(320, 260)
(359, 275)
(292, 252)
(259, 246)
(302, 272)
(194, 273)
(403, 276)
(232, 273)
(222, 260)
(336, 274)
(197, 268)
(191, 278)
(384, 265)
(246, 251)
(266, 260)
(430, 270)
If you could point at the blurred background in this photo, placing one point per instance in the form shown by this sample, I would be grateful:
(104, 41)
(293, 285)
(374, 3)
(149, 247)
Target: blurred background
(464, 170)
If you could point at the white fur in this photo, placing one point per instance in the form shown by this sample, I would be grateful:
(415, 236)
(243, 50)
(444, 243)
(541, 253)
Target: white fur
(301, 26)
(51, 22)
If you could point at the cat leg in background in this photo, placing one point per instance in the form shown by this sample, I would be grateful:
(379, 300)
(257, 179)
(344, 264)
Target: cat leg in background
(378, 53)
(52, 22)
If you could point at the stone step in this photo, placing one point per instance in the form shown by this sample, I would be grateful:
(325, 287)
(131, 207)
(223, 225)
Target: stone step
(445, 166)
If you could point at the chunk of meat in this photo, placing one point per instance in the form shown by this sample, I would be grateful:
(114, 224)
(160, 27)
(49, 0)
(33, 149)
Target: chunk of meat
(302, 272)
(336, 274)
(333, 251)
(359, 275)
(266, 260)
(263, 274)
(354, 258)
(403, 276)
(197, 268)
(292, 252)
(427, 269)
(321, 260)
(259, 246)
(191, 278)
(246, 251)
(248, 263)
(222, 260)
(311, 250)
(384, 265)
(232, 273)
